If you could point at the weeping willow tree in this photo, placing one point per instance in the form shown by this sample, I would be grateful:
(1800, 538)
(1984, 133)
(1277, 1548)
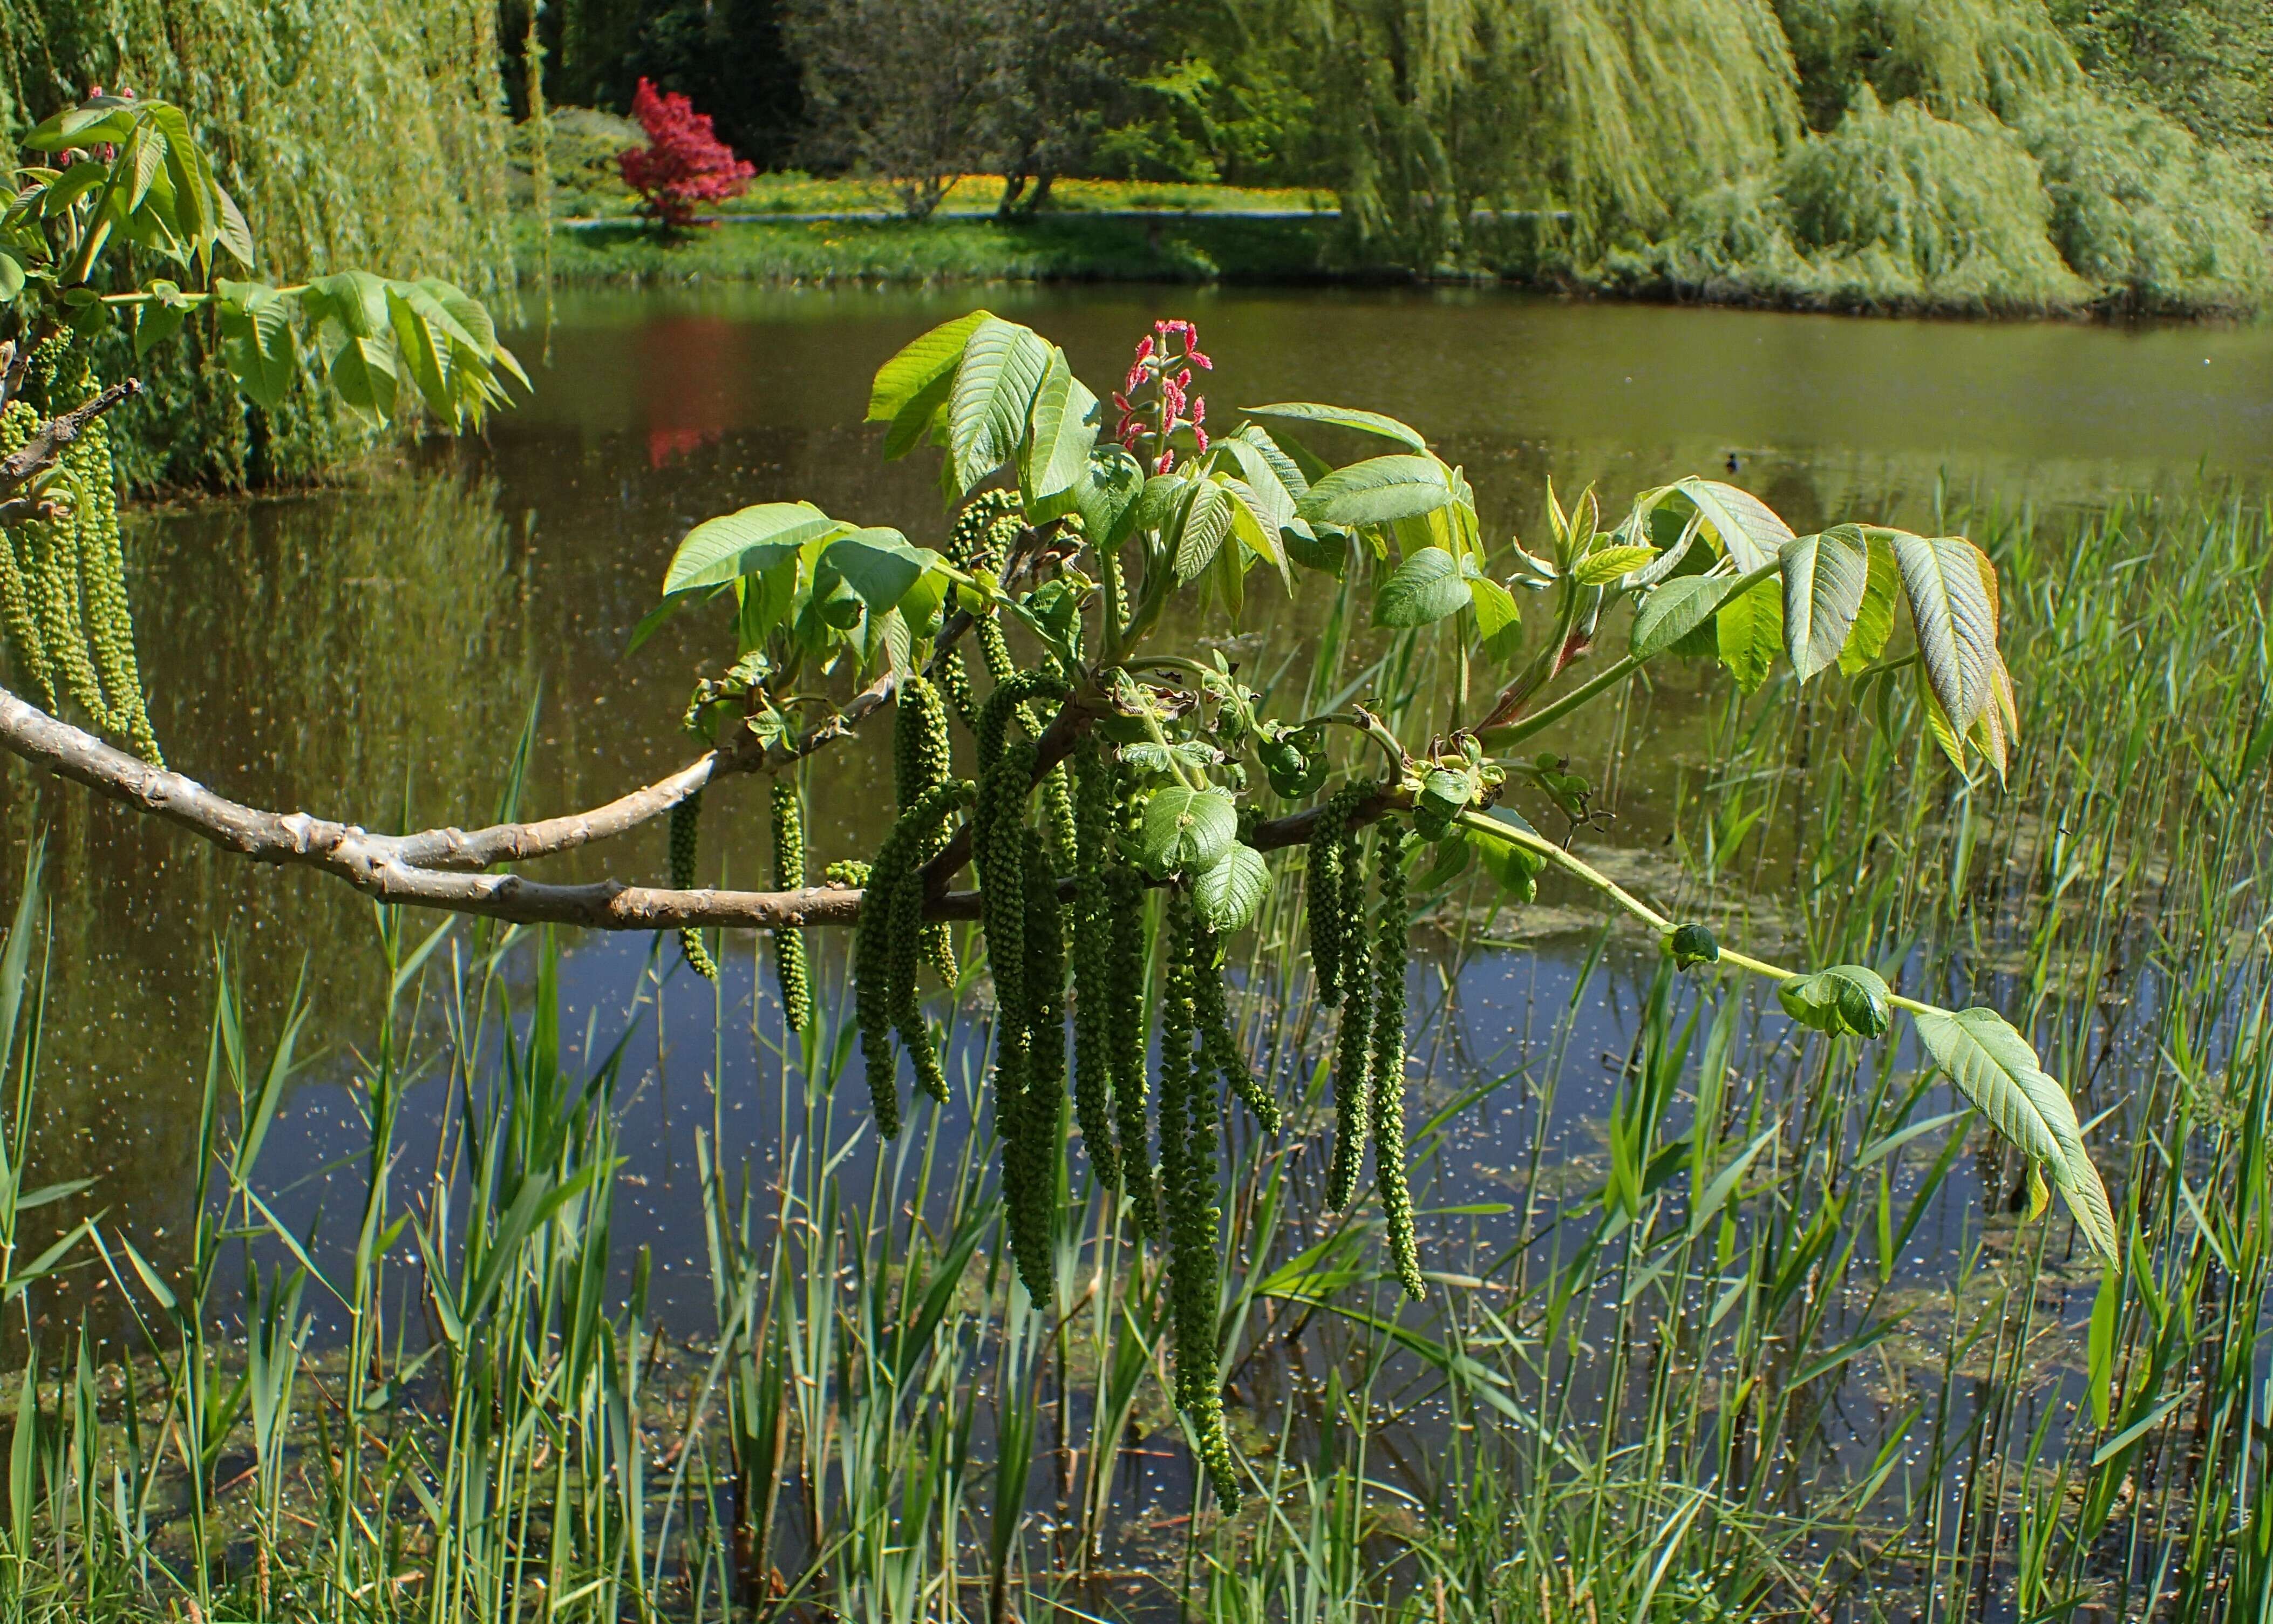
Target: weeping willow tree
(1911, 153)
(1611, 110)
(363, 133)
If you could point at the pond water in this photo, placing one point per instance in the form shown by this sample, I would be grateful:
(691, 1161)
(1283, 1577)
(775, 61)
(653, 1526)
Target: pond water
(371, 653)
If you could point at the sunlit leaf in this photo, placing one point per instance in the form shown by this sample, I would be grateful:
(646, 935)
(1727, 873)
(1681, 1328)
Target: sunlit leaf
(1748, 631)
(1672, 611)
(1201, 529)
(1825, 577)
(912, 387)
(1425, 588)
(1227, 893)
(1003, 364)
(1601, 569)
(1997, 1069)
(1343, 416)
(879, 564)
(1186, 829)
(1378, 491)
(1874, 617)
(1062, 426)
(1749, 530)
(742, 542)
(1499, 623)
(1955, 623)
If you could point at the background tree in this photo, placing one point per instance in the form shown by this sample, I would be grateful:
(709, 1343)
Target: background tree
(1063, 69)
(895, 89)
(684, 162)
(729, 58)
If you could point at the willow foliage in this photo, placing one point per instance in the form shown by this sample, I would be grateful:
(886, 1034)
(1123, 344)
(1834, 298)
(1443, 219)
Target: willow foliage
(1923, 154)
(354, 133)
(1610, 109)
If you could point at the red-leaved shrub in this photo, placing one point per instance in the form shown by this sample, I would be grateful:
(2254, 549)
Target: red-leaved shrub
(684, 162)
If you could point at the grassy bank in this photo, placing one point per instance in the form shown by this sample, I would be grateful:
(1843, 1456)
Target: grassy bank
(1221, 245)
(1071, 247)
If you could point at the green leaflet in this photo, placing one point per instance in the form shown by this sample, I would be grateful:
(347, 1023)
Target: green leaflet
(1955, 623)
(1424, 588)
(1874, 617)
(256, 340)
(1602, 567)
(911, 389)
(1749, 530)
(1061, 430)
(1997, 1069)
(1227, 891)
(878, 564)
(1344, 417)
(1749, 634)
(1002, 367)
(1201, 528)
(1845, 998)
(744, 543)
(1379, 490)
(1186, 829)
(1671, 611)
(1825, 577)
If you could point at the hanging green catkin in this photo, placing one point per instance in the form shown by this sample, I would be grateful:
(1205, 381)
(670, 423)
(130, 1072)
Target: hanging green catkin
(885, 950)
(1391, 947)
(1325, 885)
(1040, 1104)
(791, 971)
(110, 623)
(57, 571)
(1128, 1023)
(1188, 1179)
(18, 582)
(1093, 925)
(927, 835)
(1218, 1042)
(922, 759)
(955, 682)
(971, 536)
(1353, 1044)
(685, 834)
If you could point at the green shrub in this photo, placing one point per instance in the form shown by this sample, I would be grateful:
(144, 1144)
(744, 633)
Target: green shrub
(1892, 209)
(2140, 207)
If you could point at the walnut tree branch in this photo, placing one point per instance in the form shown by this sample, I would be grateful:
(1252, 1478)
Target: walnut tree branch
(377, 866)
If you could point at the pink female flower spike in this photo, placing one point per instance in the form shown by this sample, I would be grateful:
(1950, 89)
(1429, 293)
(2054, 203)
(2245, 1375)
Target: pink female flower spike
(1121, 403)
(1184, 379)
(1199, 410)
(1167, 461)
(1193, 355)
(1199, 434)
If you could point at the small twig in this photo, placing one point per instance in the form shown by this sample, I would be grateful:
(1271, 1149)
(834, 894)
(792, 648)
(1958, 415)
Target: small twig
(48, 441)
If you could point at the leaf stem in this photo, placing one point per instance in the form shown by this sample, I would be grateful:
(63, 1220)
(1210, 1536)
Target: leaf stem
(1616, 671)
(1580, 869)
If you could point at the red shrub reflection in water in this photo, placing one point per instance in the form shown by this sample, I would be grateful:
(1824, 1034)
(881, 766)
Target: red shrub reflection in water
(690, 374)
